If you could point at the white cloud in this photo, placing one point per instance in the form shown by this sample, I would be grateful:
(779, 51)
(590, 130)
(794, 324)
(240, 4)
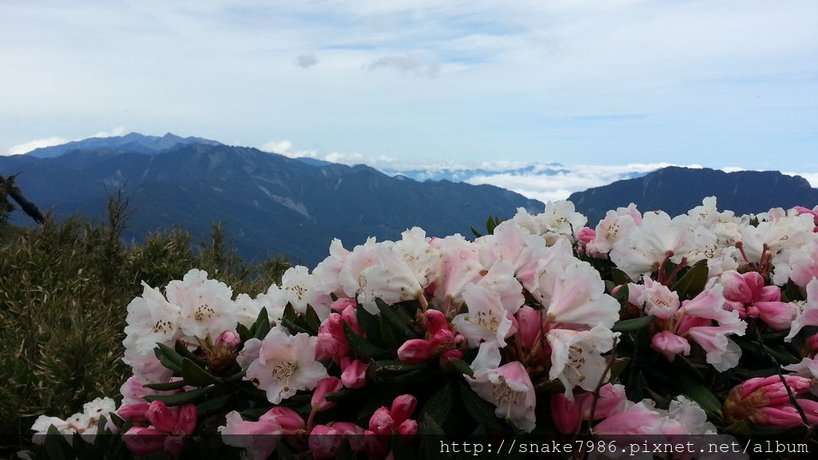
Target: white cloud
(26, 147)
(812, 178)
(411, 65)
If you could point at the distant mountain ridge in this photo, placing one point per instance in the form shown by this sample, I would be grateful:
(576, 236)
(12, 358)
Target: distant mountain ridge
(132, 143)
(270, 204)
(676, 190)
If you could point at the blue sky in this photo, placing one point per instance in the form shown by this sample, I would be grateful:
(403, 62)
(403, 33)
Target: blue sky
(720, 83)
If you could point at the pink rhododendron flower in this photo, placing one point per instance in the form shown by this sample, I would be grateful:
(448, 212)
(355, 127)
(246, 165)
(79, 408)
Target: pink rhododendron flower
(682, 417)
(282, 364)
(747, 294)
(670, 344)
(508, 387)
(260, 438)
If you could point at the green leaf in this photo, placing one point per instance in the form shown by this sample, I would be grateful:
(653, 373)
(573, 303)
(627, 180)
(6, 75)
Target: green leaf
(168, 357)
(166, 386)
(634, 324)
(388, 333)
(244, 333)
(371, 325)
(439, 406)
(56, 446)
(400, 325)
(462, 367)
(180, 398)
(182, 350)
(692, 283)
(430, 427)
(195, 375)
(212, 405)
(262, 325)
(475, 232)
(491, 224)
(480, 410)
(698, 392)
(364, 348)
(311, 320)
(619, 277)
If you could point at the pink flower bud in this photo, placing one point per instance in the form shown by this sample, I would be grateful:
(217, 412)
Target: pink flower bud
(566, 414)
(325, 386)
(186, 419)
(408, 428)
(670, 344)
(435, 321)
(787, 416)
(228, 339)
(403, 407)
(354, 374)
(770, 391)
(415, 351)
(324, 442)
(353, 433)
(143, 441)
(381, 422)
(341, 304)
(442, 338)
(530, 323)
(162, 417)
(136, 413)
(287, 421)
(585, 236)
(350, 316)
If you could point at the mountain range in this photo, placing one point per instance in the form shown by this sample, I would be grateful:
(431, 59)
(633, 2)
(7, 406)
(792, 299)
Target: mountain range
(269, 204)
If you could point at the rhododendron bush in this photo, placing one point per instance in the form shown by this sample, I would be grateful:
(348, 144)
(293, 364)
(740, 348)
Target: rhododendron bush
(703, 323)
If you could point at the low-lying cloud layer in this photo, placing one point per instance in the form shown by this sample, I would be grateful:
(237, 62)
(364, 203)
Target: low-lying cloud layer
(540, 181)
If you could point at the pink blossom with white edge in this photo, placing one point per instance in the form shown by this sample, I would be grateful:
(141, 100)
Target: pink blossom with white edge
(282, 364)
(806, 311)
(508, 387)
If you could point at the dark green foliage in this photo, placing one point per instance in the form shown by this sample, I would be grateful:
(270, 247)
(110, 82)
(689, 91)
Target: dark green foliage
(64, 289)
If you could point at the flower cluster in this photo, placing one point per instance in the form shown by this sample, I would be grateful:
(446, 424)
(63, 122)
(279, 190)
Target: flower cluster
(544, 325)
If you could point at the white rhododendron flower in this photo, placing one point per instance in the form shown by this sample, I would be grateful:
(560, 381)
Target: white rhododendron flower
(576, 356)
(282, 364)
(651, 242)
(298, 288)
(486, 319)
(508, 387)
(558, 220)
(206, 306)
(151, 319)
